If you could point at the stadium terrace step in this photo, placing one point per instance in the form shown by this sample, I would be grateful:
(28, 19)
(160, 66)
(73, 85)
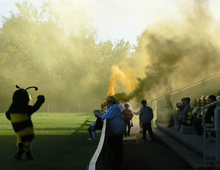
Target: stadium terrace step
(187, 130)
(189, 147)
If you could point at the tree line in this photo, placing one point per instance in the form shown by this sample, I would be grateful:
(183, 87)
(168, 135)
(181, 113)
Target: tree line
(60, 54)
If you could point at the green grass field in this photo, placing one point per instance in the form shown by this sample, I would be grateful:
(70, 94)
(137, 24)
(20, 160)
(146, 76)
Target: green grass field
(60, 142)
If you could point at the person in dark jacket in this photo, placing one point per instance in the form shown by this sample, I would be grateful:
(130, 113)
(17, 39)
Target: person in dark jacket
(95, 125)
(19, 113)
(146, 116)
(197, 124)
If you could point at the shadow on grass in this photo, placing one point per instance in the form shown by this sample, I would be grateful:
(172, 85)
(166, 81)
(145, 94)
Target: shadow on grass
(84, 125)
(52, 151)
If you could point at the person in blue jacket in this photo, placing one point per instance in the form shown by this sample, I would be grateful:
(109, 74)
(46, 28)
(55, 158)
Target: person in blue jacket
(115, 129)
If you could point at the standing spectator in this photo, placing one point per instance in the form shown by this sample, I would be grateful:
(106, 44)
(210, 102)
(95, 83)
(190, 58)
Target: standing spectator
(182, 113)
(115, 129)
(95, 125)
(127, 115)
(130, 108)
(197, 124)
(146, 115)
(169, 106)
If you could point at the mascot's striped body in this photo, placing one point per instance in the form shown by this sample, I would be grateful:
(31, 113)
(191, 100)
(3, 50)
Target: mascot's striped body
(19, 114)
(24, 130)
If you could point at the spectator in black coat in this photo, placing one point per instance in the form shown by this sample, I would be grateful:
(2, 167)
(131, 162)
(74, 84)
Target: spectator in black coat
(95, 125)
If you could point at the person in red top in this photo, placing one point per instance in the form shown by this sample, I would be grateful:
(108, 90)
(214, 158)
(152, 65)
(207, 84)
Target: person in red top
(127, 115)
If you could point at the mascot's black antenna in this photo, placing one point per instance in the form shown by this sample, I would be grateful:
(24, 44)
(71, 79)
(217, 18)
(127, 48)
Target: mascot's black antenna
(32, 87)
(27, 88)
(17, 87)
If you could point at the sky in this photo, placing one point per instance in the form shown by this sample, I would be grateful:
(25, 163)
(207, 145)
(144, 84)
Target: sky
(127, 19)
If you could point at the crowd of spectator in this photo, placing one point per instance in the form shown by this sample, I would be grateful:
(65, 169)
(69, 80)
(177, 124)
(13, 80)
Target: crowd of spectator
(119, 123)
(184, 112)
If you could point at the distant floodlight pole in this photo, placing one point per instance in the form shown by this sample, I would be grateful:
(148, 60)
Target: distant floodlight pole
(79, 108)
(48, 108)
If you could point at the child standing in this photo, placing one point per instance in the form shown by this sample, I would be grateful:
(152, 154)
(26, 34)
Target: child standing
(146, 115)
(127, 115)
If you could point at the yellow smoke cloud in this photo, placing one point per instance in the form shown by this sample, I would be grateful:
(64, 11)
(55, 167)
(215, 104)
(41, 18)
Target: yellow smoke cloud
(122, 80)
(117, 76)
(171, 55)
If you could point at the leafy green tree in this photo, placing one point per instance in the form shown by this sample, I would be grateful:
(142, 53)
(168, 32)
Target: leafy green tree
(56, 48)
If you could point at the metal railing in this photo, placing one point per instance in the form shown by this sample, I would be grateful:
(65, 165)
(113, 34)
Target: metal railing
(189, 86)
(99, 159)
(214, 127)
(180, 90)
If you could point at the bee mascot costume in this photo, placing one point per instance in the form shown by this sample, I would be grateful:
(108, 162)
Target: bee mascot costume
(19, 114)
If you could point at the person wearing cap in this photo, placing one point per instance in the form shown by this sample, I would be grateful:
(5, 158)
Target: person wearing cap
(115, 129)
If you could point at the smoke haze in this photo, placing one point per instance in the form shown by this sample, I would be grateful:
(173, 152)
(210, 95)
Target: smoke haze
(64, 58)
(176, 54)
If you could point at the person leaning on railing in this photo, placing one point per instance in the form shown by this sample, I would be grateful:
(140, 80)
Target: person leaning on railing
(115, 129)
(95, 125)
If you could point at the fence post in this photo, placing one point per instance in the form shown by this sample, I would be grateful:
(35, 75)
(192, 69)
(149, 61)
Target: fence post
(79, 108)
(217, 131)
